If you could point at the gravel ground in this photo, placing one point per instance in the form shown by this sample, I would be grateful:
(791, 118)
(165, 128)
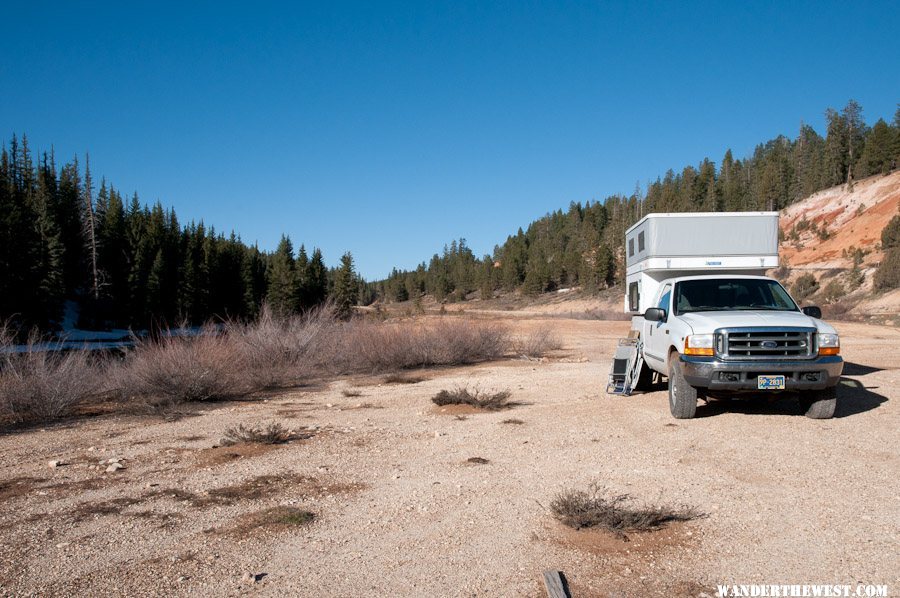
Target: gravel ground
(399, 509)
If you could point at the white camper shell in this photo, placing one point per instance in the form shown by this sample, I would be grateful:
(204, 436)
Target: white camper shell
(661, 246)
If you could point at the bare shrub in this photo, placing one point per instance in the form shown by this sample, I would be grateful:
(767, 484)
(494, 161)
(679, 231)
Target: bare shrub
(491, 401)
(38, 385)
(805, 286)
(477, 461)
(538, 342)
(833, 291)
(513, 421)
(839, 310)
(596, 507)
(174, 370)
(273, 433)
(366, 345)
(349, 392)
(278, 351)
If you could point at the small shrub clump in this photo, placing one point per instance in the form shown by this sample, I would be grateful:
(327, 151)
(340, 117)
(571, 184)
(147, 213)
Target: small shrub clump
(491, 401)
(596, 508)
(273, 433)
(538, 342)
(805, 286)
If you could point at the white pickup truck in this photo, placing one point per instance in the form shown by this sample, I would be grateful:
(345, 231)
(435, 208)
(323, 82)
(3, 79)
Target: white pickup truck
(719, 334)
(706, 317)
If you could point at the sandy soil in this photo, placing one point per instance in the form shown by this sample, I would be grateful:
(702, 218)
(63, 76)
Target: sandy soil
(401, 511)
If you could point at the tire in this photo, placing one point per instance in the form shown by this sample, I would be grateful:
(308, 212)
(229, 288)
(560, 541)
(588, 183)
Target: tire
(644, 379)
(819, 404)
(682, 396)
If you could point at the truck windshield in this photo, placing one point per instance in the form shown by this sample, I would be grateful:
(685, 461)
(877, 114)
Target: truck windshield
(730, 294)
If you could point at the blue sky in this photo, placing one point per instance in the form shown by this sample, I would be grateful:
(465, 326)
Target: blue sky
(390, 128)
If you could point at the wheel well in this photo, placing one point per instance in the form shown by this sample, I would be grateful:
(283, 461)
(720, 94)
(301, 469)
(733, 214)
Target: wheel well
(672, 350)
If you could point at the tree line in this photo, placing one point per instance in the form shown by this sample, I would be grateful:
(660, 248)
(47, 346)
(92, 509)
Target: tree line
(70, 248)
(584, 245)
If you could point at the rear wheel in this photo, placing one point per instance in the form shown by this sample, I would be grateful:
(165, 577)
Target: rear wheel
(682, 396)
(819, 404)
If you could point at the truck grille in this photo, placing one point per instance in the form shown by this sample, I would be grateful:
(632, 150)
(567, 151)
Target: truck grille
(766, 343)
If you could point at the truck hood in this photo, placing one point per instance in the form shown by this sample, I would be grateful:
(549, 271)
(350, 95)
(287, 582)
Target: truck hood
(709, 321)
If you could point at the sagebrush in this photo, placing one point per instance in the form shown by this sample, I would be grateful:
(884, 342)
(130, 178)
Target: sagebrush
(596, 507)
(489, 400)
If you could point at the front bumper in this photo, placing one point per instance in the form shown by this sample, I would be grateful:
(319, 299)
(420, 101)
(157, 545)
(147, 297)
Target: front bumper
(716, 374)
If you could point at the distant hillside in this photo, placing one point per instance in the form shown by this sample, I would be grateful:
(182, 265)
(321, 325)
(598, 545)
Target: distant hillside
(834, 236)
(825, 229)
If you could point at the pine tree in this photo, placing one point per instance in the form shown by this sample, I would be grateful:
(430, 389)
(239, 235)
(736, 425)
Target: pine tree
(346, 289)
(281, 274)
(90, 228)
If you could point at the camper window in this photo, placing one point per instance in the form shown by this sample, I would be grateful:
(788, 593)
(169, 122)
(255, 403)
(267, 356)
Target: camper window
(630, 247)
(633, 297)
(640, 241)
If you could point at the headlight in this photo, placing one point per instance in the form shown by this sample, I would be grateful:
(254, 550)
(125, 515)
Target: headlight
(829, 344)
(698, 344)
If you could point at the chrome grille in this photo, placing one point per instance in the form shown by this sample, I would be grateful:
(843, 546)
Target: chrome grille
(766, 343)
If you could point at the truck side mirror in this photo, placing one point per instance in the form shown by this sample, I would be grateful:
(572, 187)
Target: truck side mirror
(813, 311)
(655, 314)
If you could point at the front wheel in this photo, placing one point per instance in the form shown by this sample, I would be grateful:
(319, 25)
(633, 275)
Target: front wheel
(645, 379)
(682, 396)
(819, 404)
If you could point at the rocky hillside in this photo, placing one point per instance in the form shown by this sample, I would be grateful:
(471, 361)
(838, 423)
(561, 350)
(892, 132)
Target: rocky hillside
(835, 235)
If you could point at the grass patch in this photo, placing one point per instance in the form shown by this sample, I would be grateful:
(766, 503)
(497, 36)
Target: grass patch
(491, 401)
(597, 508)
(273, 433)
(274, 517)
(402, 379)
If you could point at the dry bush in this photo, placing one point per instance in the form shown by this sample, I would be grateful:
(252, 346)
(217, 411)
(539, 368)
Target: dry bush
(174, 370)
(348, 392)
(280, 351)
(369, 346)
(38, 385)
(839, 310)
(538, 342)
(273, 433)
(596, 507)
(491, 401)
(513, 421)
(804, 287)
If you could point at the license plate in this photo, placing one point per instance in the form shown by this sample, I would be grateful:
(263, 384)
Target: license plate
(770, 382)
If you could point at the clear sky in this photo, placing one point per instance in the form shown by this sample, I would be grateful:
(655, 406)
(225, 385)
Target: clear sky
(390, 128)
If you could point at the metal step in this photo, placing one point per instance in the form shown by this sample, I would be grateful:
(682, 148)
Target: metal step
(626, 368)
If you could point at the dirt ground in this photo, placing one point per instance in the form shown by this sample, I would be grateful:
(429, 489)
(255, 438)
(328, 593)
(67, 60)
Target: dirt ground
(401, 511)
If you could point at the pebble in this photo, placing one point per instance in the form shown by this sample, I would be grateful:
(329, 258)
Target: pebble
(54, 463)
(114, 467)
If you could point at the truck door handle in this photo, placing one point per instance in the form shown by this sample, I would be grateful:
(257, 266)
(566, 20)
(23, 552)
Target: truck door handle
(666, 331)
